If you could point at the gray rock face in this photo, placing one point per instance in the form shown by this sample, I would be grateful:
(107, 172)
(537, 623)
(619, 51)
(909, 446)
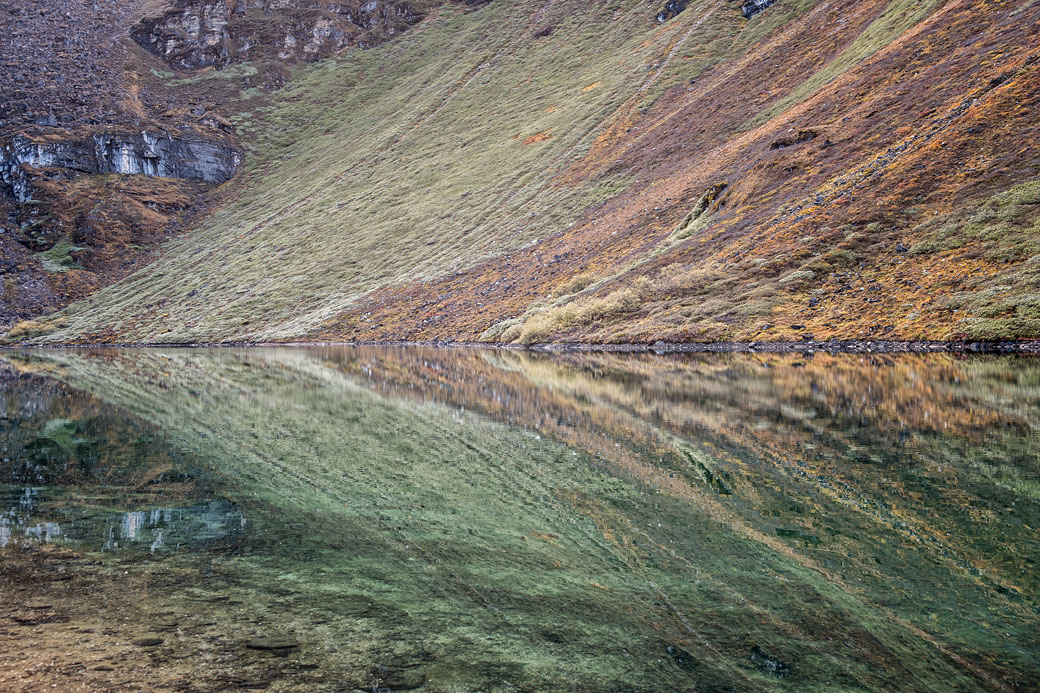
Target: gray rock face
(749, 8)
(671, 9)
(144, 153)
(203, 33)
(190, 35)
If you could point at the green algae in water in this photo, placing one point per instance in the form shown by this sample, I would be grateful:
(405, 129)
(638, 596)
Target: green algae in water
(455, 520)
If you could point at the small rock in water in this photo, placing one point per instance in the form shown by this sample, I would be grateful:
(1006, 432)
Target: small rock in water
(273, 643)
(769, 663)
(683, 659)
(37, 617)
(148, 641)
(403, 678)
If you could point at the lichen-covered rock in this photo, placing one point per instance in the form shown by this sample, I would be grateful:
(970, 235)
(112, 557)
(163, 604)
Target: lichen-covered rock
(749, 8)
(671, 9)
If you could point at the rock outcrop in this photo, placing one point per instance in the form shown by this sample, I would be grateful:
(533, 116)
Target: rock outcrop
(195, 34)
(150, 154)
(671, 9)
(749, 8)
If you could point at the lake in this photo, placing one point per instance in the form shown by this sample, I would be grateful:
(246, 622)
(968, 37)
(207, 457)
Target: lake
(384, 518)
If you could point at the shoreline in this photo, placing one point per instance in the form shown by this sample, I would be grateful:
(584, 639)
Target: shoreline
(848, 346)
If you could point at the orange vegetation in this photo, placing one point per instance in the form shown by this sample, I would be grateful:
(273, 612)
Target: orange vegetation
(834, 187)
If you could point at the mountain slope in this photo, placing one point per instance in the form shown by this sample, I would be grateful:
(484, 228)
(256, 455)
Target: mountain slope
(531, 171)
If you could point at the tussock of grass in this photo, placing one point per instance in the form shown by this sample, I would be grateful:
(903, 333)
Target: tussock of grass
(577, 283)
(59, 258)
(1004, 230)
(26, 330)
(798, 276)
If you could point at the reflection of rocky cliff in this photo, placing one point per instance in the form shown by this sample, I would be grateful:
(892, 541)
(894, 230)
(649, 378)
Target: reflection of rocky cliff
(54, 435)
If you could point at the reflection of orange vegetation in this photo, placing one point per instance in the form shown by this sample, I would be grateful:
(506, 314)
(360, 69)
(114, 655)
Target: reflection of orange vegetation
(592, 86)
(538, 137)
(819, 432)
(778, 431)
(547, 538)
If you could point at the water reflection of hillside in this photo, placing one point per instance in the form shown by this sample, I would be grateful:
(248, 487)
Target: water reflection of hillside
(889, 474)
(866, 520)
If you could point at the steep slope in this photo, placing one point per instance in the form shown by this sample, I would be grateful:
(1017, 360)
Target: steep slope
(78, 108)
(533, 171)
(107, 150)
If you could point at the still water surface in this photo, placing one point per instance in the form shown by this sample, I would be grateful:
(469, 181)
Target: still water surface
(341, 519)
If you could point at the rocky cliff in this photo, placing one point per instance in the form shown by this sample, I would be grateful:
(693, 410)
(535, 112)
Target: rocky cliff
(71, 225)
(203, 33)
(144, 153)
(749, 8)
(80, 102)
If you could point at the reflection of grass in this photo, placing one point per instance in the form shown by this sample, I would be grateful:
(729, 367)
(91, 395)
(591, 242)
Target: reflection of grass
(64, 433)
(432, 516)
(528, 558)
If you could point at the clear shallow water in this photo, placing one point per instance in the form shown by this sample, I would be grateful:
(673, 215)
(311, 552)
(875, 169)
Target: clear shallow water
(384, 518)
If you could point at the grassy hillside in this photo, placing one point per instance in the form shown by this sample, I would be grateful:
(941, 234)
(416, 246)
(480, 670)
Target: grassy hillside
(565, 171)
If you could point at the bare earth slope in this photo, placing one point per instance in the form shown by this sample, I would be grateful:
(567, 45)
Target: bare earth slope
(542, 171)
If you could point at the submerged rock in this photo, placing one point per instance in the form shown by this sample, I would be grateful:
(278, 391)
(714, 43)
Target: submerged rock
(274, 643)
(402, 678)
(768, 663)
(149, 641)
(683, 659)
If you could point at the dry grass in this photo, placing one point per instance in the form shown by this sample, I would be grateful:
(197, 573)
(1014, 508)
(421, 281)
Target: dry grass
(399, 163)
(897, 18)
